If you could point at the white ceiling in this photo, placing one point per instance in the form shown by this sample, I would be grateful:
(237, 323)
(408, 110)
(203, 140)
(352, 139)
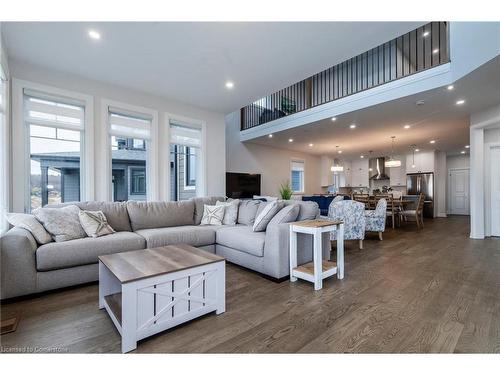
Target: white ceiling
(190, 62)
(439, 119)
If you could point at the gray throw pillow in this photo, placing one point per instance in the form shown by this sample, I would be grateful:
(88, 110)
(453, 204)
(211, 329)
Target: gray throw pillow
(247, 211)
(265, 216)
(94, 223)
(231, 211)
(62, 223)
(31, 224)
(288, 214)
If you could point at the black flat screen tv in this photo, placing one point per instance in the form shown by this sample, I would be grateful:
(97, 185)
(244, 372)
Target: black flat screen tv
(242, 185)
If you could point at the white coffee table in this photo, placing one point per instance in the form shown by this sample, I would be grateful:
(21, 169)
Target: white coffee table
(318, 269)
(149, 291)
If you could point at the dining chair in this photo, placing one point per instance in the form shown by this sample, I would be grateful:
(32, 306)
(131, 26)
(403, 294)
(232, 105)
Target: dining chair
(417, 213)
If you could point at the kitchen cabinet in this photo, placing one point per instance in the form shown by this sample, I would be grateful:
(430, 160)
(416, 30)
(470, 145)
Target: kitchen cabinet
(326, 173)
(360, 174)
(424, 162)
(398, 174)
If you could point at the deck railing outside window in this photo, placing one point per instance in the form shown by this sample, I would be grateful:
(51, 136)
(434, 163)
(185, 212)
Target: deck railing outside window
(418, 50)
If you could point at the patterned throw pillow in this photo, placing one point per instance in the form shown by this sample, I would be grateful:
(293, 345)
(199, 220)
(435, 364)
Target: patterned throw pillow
(31, 224)
(62, 223)
(212, 215)
(231, 211)
(94, 223)
(265, 216)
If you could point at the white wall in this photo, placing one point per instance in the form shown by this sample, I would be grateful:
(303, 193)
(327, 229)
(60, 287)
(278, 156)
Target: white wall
(215, 141)
(272, 163)
(484, 133)
(5, 187)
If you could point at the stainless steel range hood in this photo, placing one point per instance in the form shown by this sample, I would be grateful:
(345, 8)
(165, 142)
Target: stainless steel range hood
(377, 167)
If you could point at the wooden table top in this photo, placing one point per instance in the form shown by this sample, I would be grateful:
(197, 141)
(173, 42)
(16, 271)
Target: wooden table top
(319, 223)
(140, 264)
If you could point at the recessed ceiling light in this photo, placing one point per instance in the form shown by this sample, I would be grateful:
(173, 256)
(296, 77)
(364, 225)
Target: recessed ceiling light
(229, 85)
(311, 144)
(420, 102)
(290, 140)
(270, 135)
(339, 151)
(467, 146)
(334, 118)
(407, 126)
(362, 156)
(352, 126)
(425, 34)
(94, 34)
(432, 141)
(434, 51)
(450, 87)
(417, 150)
(460, 102)
(462, 152)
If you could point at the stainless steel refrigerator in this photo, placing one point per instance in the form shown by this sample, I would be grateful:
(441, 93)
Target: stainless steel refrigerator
(417, 183)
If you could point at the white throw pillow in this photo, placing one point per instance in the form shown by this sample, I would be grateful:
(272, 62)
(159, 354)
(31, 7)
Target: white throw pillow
(212, 215)
(31, 224)
(62, 223)
(265, 216)
(231, 211)
(94, 223)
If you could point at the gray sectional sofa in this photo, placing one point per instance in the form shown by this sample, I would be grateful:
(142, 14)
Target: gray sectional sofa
(27, 267)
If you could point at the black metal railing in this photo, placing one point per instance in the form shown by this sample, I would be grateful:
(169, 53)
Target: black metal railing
(418, 50)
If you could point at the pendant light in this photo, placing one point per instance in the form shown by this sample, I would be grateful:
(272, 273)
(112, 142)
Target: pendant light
(392, 163)
(338, 167)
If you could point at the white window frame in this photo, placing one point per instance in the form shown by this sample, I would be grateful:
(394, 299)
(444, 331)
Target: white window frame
(303, 187)
(164, 164)
(4, 148)
(20, 142)
(187, 186)
(152, 146)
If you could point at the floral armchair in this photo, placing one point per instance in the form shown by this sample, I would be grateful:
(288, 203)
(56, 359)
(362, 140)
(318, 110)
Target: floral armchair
(375, 219)
(352, 213)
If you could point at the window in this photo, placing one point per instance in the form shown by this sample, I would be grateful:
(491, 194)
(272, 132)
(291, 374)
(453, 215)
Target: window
(55, 128)
(3, 151)
(297, 176)
(185, 146)
(190, 167)
(130, 135)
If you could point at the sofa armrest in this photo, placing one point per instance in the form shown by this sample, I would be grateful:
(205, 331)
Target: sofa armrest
(18, 264)
(277, 249)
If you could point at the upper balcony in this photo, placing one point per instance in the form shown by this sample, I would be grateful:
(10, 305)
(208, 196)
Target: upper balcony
(414, 52)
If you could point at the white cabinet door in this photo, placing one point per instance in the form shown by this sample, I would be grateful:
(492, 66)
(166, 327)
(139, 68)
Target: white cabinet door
(398, 175)
(326, 173)
(424, 162)
(360, 176)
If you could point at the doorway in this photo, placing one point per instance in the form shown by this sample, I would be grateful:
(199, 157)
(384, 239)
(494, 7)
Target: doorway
(458, 182)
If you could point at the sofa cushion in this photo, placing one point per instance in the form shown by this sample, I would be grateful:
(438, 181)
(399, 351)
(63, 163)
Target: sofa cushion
(199, 204)
(242, 238)
(116, 212)
(146, 215)
(193, 235)
(308, 210)
(56, 255)
(247, 211)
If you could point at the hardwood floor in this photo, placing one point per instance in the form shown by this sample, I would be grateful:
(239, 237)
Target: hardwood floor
(431, 291)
